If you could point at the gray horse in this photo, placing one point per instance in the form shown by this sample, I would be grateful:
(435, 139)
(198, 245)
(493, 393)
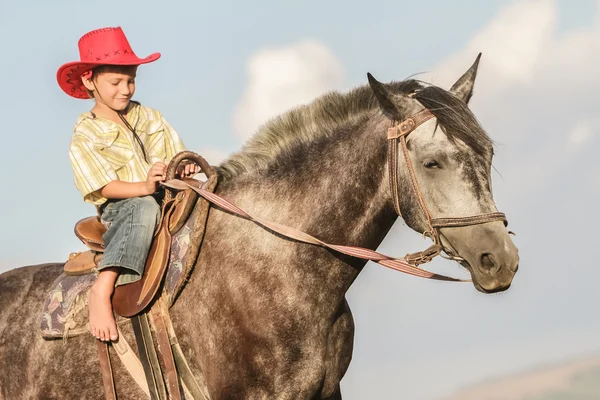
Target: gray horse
(264, 317)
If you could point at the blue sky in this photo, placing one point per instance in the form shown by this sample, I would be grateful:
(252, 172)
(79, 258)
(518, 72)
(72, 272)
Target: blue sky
(222, 71)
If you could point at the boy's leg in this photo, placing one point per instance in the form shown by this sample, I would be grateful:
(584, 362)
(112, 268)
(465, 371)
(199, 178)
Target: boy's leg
(102, 321)
(131, 224)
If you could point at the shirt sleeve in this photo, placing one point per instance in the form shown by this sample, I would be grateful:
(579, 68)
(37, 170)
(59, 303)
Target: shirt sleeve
(92, 172)
(173, 143)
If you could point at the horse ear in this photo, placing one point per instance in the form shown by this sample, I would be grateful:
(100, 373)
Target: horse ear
(397, 105)
(384, 96)
(463, 88)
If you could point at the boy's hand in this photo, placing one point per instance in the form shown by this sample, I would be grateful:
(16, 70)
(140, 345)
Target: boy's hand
(187, 170)
(157, 173)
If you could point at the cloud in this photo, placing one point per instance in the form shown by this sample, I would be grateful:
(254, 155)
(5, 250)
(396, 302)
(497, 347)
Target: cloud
(530, 73)
(524, 53)
(536, 90)
(512, 46)
(282, 78)
(583, 133)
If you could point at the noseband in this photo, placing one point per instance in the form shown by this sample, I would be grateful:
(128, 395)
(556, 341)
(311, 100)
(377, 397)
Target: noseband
(396, 135)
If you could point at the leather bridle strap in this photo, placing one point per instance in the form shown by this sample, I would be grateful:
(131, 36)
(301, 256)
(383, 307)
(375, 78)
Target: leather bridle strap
(397, 134)
(394, 133)
(467, 221)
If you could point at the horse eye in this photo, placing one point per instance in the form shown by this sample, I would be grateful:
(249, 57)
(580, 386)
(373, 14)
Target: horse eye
(431, 164)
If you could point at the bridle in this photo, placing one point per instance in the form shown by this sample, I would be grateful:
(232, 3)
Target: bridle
(396, 135)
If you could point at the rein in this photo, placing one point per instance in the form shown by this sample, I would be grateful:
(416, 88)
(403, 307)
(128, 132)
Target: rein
(398, 264)
(397, 134)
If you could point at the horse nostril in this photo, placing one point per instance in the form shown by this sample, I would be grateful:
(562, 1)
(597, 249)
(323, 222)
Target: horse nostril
(515, 268)
(487, 261)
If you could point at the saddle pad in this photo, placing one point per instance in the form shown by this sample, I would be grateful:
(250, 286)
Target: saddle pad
(65, 311)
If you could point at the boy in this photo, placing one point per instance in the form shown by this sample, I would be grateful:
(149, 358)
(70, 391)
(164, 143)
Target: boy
(119, 152)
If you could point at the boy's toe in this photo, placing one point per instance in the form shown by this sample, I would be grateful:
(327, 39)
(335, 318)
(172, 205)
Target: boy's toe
(114, 333)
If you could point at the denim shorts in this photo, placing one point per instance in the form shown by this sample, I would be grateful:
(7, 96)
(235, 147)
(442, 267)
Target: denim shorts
(130, 227)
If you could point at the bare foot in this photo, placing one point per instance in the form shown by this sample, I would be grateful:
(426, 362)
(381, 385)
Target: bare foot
(102, 320)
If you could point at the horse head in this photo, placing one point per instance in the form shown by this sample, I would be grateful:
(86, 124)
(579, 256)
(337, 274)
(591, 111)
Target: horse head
(442, 177)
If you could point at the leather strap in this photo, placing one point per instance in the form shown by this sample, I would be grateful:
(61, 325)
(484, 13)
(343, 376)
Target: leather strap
(131, 362)
(466, 221)
(196, 387)
(397, 264)
(190, 383)
(161, 247)
(400, 131)
(107, 375)
(193, 388)
(148, 357)
(393, 173)
(397, 135)
(409, 124)
(199, 217)
(164, 349)
(417, 191)
(190, 156)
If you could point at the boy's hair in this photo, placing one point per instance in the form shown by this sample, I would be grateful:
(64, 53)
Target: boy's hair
(120, 69)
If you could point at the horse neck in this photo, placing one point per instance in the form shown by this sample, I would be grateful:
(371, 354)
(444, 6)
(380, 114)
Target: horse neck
(335, 188)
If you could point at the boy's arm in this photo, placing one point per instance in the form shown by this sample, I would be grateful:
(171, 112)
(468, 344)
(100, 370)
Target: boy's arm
(123, 190)
(97, 181)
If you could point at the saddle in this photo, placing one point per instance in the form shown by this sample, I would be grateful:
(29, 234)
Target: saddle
(142, 301)
(129, 300)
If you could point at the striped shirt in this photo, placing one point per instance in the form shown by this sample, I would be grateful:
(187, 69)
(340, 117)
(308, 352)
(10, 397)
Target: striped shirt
(102, 151)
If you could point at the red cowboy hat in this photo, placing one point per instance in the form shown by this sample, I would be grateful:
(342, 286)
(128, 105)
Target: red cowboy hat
(106, 46)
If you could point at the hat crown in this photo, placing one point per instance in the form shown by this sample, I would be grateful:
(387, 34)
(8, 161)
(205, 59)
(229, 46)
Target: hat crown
(105, 45)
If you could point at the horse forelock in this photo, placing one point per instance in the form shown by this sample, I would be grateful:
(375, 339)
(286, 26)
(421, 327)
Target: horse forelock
(457, 120)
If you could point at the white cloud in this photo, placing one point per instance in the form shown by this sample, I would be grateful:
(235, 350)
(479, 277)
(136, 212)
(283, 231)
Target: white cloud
(583, 133)
(523, 50)
(282, 78)
(512, 46)
(534, 90)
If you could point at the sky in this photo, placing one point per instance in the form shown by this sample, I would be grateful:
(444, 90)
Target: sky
(227, 67)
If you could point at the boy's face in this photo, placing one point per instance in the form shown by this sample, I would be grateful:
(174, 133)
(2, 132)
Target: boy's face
(114, 89)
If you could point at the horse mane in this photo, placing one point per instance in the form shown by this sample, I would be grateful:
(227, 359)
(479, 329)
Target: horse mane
(279, 138)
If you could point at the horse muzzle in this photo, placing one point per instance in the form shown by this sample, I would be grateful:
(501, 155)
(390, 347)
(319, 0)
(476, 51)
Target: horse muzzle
(487, 252)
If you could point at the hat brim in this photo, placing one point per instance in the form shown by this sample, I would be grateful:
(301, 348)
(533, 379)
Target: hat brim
(69, 74)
